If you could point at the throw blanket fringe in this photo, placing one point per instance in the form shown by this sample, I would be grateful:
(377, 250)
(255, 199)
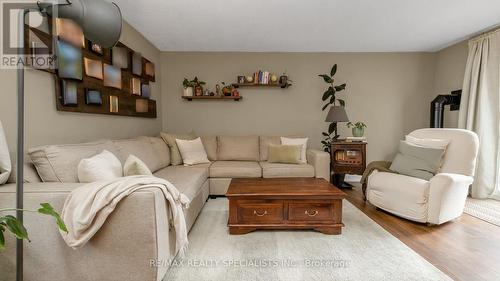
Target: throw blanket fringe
(87, 207)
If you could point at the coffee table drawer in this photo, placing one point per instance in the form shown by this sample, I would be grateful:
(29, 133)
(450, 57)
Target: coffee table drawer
(260, 212)
(310, 212)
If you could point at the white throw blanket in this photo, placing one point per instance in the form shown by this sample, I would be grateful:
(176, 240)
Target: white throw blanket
(87, 207)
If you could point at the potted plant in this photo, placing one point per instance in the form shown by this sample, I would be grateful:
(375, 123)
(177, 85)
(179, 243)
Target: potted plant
(193, 86)
(358, 128)
(188, 87)
(330, 98)
(13, 225)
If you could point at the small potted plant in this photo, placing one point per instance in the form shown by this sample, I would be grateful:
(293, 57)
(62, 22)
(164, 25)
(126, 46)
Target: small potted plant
(191, 86)
(358, 128)
(188, 87)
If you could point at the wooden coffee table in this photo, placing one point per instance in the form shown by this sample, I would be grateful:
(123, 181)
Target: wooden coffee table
(287, 203)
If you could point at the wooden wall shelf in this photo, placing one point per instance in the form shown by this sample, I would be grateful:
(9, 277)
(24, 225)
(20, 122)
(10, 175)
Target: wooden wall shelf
(237, 85)
(212, 98)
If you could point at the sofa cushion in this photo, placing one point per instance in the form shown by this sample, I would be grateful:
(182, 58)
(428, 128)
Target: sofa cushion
(192, 151)
(238, 148)
(417, 161)
(187, 179)
(235, 169)
(142, 148)
(5, 164)
(135, 166)
(264, 143)
(399, 194)
(101, 167)
(287, 154)
(162, 151)
(279, 170)
(210, 144)
(58, 163)
(175, 155)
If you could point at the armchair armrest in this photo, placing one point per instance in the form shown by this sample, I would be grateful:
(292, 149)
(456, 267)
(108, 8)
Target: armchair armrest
(447, 195)
(320, 160)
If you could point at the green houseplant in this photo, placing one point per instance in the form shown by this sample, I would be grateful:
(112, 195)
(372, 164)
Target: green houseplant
(329, 96)
(358, 128)
(190, 85)
(13, 225)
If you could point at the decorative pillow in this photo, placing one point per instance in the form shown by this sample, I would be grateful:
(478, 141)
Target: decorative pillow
(175, 155)
(297, 141)
(417, 161)
(134, 167)
(5, 164)
(429, 143)
(103, 166)
(192, 151)
(287, 154)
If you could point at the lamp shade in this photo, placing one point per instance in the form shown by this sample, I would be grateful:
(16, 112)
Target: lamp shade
(337, 114)
(101, 21)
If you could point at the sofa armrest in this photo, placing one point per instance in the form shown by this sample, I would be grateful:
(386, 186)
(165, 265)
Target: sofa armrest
(447, 195)
(133, 244)
(320, 160)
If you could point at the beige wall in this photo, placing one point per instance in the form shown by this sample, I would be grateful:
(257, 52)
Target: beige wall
(45, 125)
(450, 70)
(391, 92)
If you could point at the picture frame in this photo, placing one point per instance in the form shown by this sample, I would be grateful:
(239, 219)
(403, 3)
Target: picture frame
(93, 97)
(69, 92)
(113, 104)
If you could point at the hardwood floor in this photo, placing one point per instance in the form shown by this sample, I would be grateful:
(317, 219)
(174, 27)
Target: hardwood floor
(465, 249)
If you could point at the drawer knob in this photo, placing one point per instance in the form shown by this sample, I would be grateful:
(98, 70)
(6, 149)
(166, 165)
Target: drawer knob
(311, 214)
(259, 215)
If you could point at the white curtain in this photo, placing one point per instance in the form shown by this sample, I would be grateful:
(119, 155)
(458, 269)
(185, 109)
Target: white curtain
(480, 110)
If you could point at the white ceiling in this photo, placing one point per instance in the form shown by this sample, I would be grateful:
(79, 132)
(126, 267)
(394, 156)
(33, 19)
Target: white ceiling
(309, 25)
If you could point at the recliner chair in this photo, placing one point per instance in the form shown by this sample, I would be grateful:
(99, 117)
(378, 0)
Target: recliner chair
(438, 200)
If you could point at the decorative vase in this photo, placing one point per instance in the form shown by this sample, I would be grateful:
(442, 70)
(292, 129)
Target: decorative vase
(188, 92)
(358, 132)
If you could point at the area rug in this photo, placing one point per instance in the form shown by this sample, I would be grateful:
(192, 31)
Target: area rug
(484, 209)
(364, 251)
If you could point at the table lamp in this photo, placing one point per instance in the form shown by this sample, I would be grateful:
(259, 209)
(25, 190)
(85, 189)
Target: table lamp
(335, 115)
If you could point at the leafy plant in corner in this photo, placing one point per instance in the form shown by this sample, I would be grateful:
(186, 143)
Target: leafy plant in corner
(13, 225)
(330, 99)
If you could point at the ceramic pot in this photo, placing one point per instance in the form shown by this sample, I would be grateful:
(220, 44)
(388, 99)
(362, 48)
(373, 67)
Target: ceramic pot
(188, 92)
(358, 132)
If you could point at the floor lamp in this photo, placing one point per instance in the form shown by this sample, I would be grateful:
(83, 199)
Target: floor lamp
(101, 22)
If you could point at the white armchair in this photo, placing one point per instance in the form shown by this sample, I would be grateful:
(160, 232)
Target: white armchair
(438, 200)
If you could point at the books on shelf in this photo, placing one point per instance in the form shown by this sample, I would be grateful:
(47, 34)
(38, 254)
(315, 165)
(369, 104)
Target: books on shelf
(262, 77)
(355, 139)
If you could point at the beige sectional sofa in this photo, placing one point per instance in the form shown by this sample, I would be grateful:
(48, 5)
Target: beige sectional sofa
(132, 237)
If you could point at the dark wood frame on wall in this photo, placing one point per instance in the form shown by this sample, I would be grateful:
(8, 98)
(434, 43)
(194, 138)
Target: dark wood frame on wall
(127, 100)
